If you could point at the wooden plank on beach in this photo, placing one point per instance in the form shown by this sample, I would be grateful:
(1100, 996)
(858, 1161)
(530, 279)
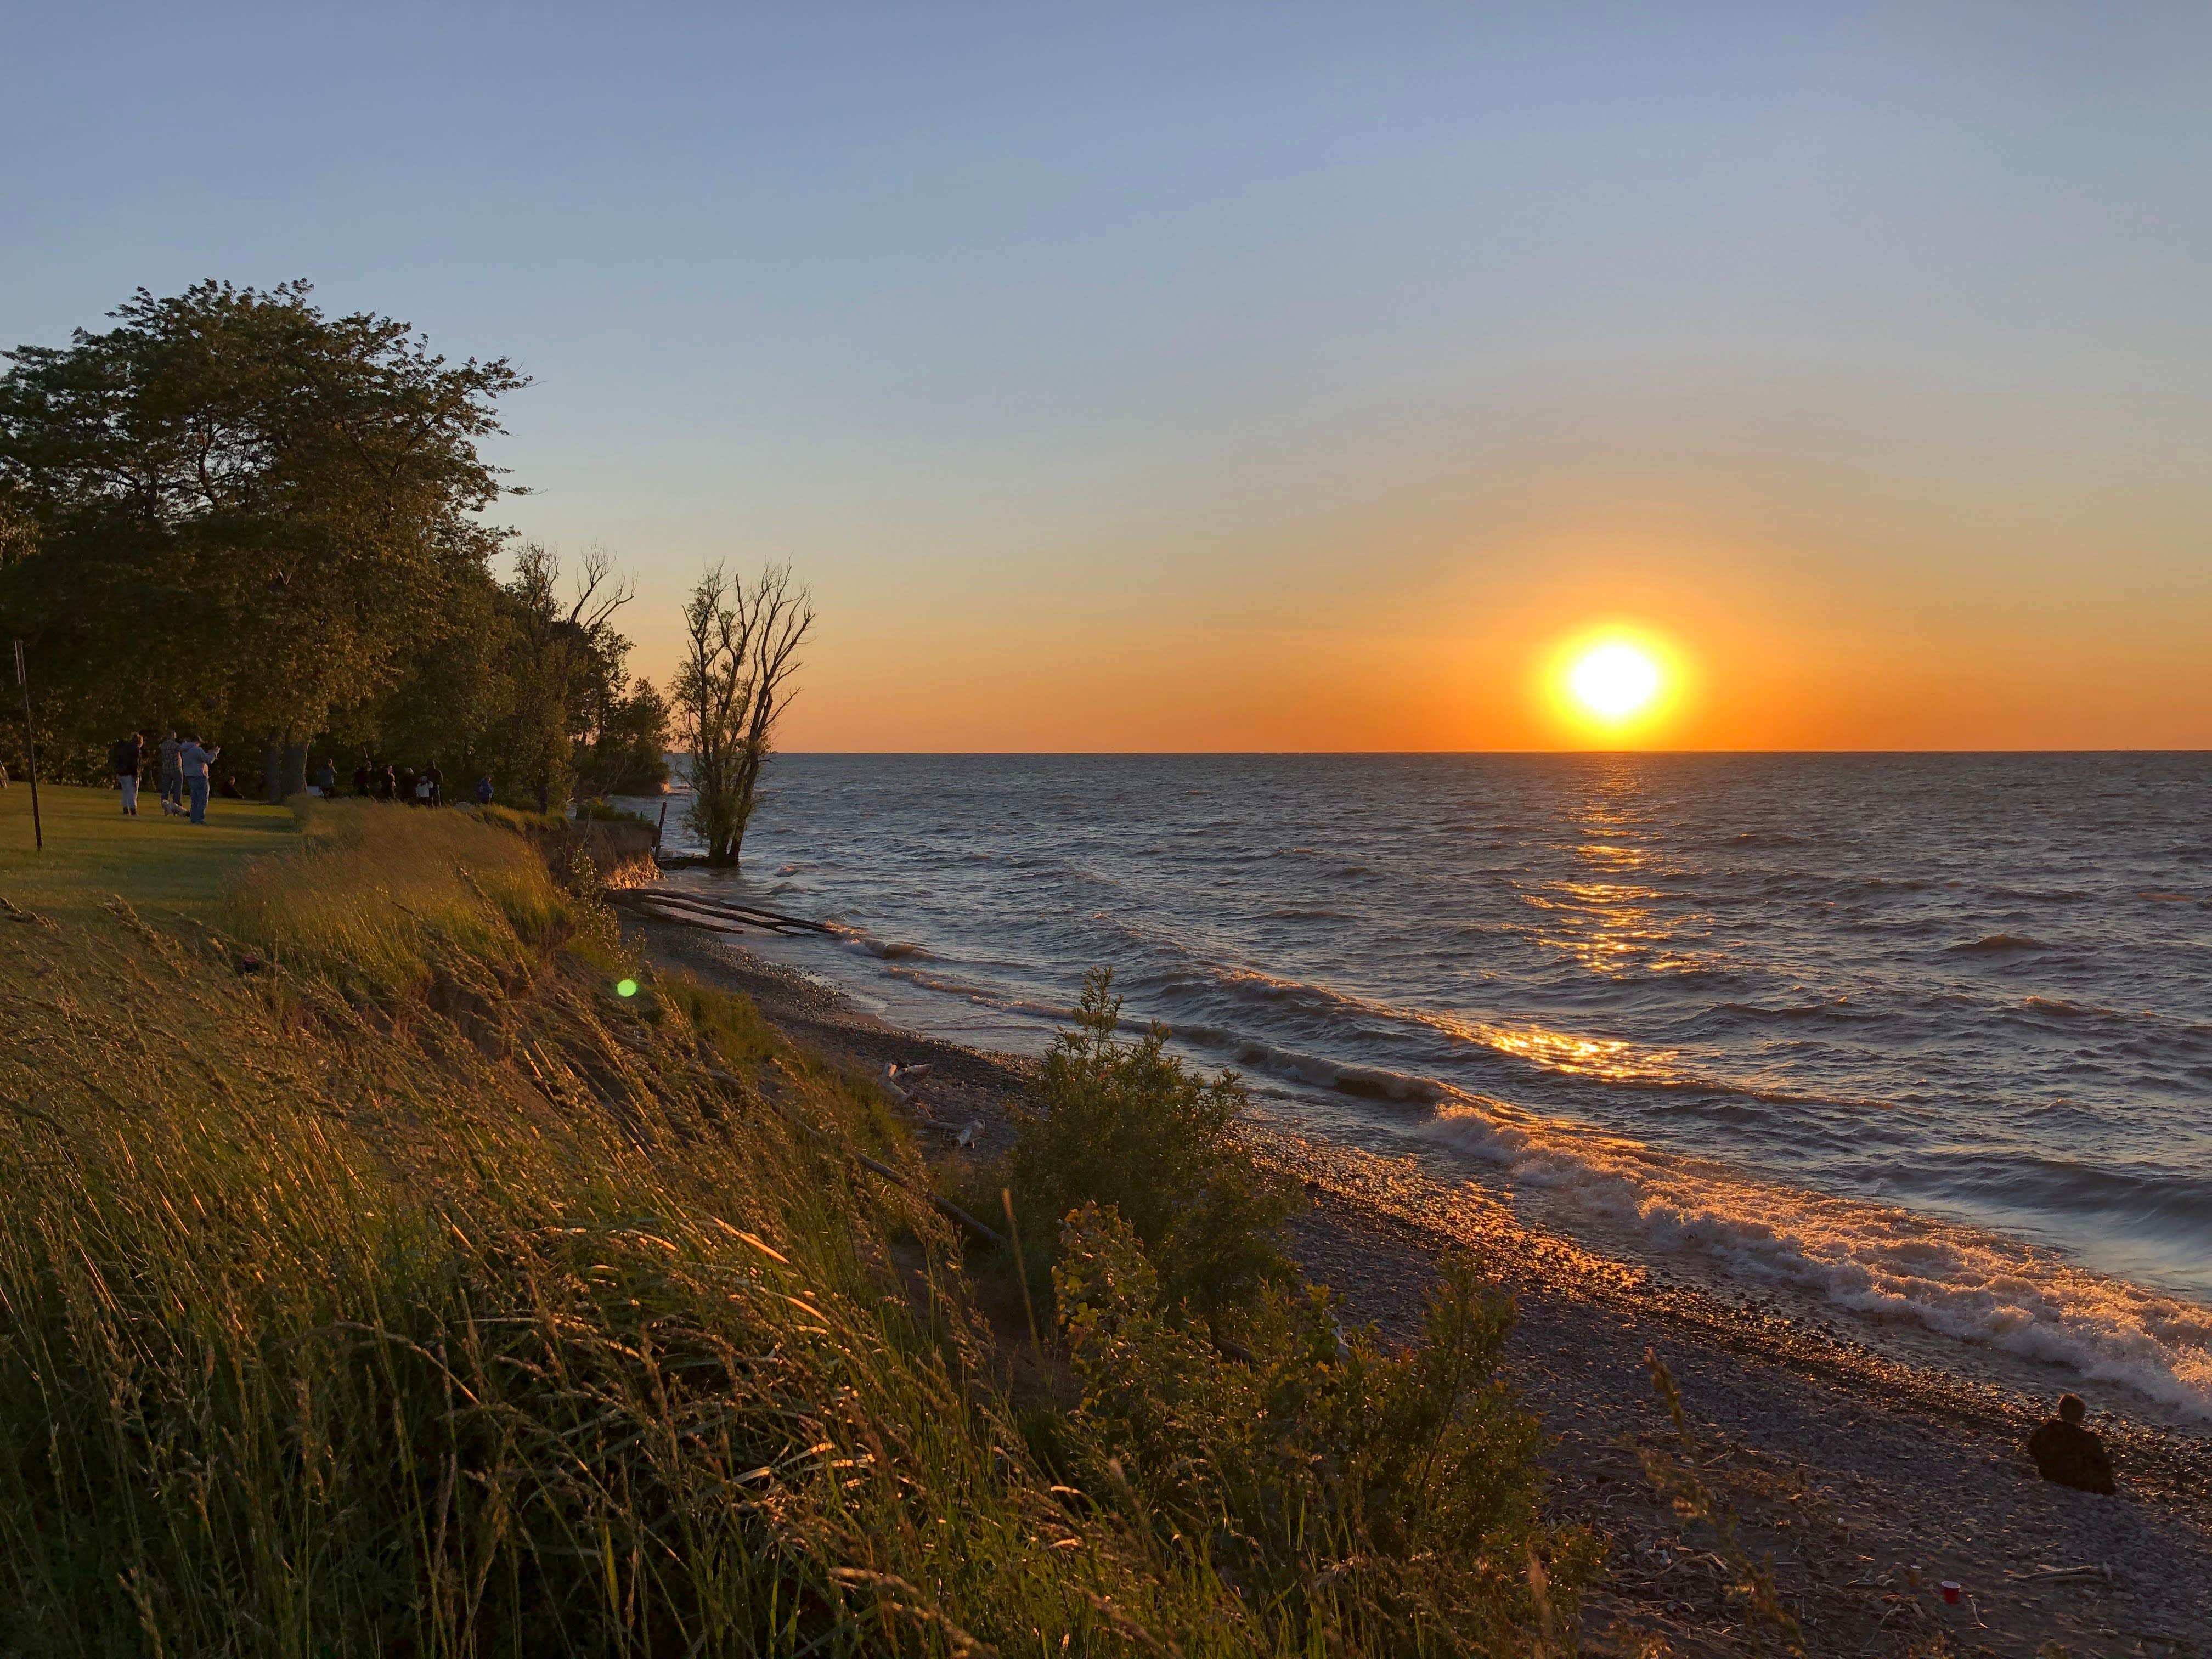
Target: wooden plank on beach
(712, 924)
(751, 915)
(730, 912)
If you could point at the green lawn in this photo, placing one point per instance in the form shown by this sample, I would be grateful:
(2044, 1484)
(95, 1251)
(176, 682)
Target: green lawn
(158, 863)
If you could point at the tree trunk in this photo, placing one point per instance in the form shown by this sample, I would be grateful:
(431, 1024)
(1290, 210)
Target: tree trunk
(283, 770)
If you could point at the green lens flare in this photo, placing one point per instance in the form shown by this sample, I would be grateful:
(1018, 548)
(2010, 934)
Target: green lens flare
(627, 988)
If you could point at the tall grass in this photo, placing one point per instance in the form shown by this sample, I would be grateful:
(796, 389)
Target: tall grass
(374, 894)
(412, 1293)
(336, 1329)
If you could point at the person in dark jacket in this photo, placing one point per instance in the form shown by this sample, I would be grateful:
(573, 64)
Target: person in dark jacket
(363, 779)
(125, 758)
(484, 790)
(171, 750)
(2066, 1452)
(326, 776)
(434, 795)
(407, 782)
(387, 783)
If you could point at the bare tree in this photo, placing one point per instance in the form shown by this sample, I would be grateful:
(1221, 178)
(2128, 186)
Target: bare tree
(741, 650)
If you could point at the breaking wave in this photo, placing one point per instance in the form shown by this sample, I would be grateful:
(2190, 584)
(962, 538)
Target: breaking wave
(1883, 1263)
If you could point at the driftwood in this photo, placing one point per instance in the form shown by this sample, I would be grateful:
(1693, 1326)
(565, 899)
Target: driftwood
(772, 921)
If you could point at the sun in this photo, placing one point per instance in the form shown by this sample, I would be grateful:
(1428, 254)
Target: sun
(1615, 681)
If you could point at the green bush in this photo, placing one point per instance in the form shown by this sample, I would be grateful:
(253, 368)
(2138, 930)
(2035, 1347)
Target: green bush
(1356, 1502)
(1126, 1126)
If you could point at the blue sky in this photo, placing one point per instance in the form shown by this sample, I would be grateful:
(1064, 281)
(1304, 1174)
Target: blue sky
(1116, 376)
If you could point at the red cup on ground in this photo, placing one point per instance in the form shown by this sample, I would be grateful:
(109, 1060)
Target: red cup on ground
(1950, 1591)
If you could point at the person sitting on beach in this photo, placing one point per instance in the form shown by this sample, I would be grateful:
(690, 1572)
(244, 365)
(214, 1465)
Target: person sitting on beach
(2066, 1452)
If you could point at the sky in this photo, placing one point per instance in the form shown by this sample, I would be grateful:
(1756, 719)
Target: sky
(1269, 377)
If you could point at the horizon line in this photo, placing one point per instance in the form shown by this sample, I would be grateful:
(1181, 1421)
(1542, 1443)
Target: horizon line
(1354, 754)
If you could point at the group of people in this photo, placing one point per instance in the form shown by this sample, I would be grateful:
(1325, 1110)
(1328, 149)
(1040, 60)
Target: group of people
(404, 783)
(387, 783)
(185, 773)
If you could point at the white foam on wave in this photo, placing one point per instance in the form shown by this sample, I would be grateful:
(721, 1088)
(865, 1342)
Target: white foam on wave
(1882, 1263)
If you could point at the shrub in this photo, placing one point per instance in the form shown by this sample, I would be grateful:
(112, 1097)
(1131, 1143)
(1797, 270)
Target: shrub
(1356, 1502)
(1126, 1126)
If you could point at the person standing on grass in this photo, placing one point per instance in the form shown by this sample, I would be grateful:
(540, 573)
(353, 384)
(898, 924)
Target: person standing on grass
(407, 782)
(196, 760)
(327, 778)
(434, 785)
(362, 778)
(122, 760)
(483, 790)
(387, 783)
(173, 774)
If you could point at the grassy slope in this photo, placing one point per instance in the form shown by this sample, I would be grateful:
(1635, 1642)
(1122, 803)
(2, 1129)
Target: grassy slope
(161, 865)
(415, 1294)
(474, 1314)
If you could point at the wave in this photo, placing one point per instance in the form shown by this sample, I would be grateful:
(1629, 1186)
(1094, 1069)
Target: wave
(1999, 945)
(1518, 1052)
(1883, 1263)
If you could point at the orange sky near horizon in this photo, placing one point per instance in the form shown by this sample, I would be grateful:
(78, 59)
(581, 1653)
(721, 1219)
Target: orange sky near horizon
(1778, 639)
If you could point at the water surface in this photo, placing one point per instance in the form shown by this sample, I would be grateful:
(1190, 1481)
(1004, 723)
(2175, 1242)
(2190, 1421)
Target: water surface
(1930, 1034)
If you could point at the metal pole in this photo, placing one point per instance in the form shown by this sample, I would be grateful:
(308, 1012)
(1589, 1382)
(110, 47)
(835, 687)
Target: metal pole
(659, 828)
(30, 747)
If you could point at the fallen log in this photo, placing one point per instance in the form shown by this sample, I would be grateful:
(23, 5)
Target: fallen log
(708, 920)
(754, 914)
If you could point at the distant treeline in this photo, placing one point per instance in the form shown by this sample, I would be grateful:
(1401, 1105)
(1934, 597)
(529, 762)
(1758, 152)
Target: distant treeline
(233, 515)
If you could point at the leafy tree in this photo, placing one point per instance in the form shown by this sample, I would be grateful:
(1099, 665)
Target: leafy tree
(525, 681)
(556, 651)
(741, 652)
(626, 751)
(245, 513)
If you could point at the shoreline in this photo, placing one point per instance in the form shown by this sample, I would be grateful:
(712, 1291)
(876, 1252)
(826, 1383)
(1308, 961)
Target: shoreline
(1853, 1468)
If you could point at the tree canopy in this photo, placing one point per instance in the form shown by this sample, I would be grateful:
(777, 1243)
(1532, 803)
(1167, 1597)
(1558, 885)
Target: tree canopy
(234, 511)
(240, 507)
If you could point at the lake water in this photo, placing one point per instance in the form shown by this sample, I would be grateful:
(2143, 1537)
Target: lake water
(1928, 1036)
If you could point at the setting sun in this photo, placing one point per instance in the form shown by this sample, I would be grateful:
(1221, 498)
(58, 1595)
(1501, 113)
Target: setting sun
(1614, 680)
(1615, 683)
